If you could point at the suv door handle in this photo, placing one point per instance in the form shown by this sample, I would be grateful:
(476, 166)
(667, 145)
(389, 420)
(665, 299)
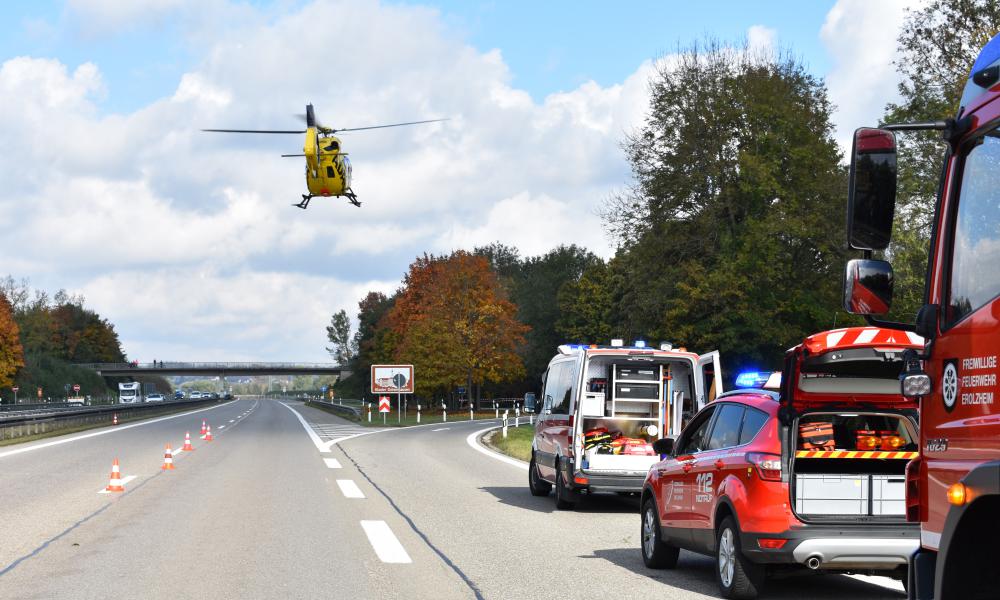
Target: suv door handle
(719, 464)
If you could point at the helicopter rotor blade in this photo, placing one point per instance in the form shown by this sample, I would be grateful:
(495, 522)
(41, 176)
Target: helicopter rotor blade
(392, 125)
(255, 131)
(293, 155)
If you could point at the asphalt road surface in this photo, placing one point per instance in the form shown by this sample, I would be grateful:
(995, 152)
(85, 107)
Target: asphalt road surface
(292, 502)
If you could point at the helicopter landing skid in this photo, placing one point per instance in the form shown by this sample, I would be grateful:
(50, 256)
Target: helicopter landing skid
(352, 197)
(305, 201)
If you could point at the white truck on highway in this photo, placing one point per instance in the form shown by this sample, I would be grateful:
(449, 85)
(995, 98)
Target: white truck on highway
(129, 393)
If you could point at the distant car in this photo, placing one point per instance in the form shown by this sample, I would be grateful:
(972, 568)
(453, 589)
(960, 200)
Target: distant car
(196, 395)
(178, 395)
(154, 398)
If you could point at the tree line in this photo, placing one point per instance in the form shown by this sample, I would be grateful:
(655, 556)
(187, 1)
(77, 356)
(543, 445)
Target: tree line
(730, 237)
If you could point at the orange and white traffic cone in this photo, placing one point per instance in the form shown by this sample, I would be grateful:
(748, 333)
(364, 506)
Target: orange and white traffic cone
(168, 459)
(208, 434)
(187, 442)
(203, 427)
(114, 419)
(115, 484)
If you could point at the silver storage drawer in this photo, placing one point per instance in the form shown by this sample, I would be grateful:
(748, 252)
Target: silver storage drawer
(888, 495)
(822, 494)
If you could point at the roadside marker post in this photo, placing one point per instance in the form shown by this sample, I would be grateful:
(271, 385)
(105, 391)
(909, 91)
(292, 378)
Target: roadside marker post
(517, 420)
(418, 414)
(470, 413)
(496, 410)
(505, 423)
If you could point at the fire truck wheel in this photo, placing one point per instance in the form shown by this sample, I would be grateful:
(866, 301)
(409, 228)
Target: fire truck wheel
(738, 577)
(656, 553)
(564, 499)
(537, 485)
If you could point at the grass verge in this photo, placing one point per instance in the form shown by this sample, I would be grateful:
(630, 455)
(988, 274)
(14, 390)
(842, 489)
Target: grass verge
(517, 444)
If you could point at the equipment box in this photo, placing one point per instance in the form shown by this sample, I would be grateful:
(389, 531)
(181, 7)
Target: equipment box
(888, 495)
(634, 373)
(822, 494)
(592, 404)
(637, 391)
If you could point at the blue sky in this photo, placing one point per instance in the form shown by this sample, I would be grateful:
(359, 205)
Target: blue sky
(161, 223)
(548, 46)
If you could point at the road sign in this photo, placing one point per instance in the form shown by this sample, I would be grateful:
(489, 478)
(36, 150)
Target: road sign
(392, 379)
(15, 389)
(76, 387)
(383, 404)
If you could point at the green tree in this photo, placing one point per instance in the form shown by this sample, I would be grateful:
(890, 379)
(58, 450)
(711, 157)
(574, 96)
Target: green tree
(338, 332)
(732, 236)
(937, 46)
(586, 307)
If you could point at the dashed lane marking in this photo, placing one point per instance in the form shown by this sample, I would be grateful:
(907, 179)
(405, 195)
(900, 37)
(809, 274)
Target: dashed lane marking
(441, 429)
(231, 420)
(350, 489)
(384, 542)
(222, 426)
(124, 481)
(332, 463)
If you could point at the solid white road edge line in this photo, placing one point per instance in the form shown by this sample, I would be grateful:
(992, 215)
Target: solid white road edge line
(124, 480)
(309, 430)
(350, 489)
(385, 543)
(473, 442)
(107, 431)
(332, 463)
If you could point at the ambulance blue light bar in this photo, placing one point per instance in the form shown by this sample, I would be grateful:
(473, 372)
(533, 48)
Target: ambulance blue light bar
(758, 379)
(981, 77)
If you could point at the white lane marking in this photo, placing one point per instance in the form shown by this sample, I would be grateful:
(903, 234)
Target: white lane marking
(312, 434)
(106, 431)
(441, 429)
(385, 543)
(350, 489)
(332, 463)
(231, 420)
(222, 426)
(473, 442)
(124, 480)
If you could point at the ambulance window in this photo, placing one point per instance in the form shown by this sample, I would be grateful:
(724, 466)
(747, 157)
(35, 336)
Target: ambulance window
(329, 171)
(564, 393)
(976, 239)
(726, 432)
(551, 382)
(695, 437)
(753, 421)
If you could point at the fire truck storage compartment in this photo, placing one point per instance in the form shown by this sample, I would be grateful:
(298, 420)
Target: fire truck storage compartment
(627, 397)
(863, 475)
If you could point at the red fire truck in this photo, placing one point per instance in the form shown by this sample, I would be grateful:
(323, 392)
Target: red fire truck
(953, 487)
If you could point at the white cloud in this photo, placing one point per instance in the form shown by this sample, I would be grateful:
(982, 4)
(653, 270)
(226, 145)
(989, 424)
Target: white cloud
(186, 240)
(761, 38)
(861, 38)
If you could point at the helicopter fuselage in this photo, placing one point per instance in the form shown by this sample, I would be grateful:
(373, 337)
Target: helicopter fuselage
(328, 170)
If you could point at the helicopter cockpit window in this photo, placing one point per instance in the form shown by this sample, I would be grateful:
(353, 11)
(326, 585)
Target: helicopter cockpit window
(332, 147)
(329, 171)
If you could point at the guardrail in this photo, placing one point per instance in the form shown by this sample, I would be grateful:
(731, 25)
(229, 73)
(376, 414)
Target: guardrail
(44, 420)
(347, 409)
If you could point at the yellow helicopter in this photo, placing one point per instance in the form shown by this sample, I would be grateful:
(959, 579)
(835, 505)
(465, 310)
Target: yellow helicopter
(328, 170)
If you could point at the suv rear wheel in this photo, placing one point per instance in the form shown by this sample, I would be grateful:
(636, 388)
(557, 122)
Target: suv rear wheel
(537, 485)
(656, 553)
(738, 577)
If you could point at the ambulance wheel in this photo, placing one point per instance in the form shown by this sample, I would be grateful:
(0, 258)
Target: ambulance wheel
(656, 553)
(564, 499)
(537, 485)
(737, 576)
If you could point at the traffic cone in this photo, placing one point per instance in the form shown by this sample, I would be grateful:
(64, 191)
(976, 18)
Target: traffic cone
(203, 426)
(187, 442)
(114, 419)
(208, 434)
(115, 484)
(168, 459)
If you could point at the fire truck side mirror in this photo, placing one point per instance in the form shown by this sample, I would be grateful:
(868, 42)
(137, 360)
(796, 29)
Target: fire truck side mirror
(868, 287)
(664, 446)
(871, 204)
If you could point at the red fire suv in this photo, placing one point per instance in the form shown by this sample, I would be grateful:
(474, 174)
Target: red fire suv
(809, 476)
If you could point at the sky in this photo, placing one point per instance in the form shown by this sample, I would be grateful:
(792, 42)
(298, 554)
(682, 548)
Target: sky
(187, 242)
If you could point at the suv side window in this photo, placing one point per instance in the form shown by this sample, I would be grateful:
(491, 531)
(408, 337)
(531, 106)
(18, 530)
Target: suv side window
(726, 432)
(695, 438)
(563, 395)
(753, 422)
(976, 234)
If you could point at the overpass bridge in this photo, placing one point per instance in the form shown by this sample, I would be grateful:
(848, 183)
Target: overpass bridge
(215, 369)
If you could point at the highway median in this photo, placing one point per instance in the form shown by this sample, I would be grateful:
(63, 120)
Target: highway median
(517, 444)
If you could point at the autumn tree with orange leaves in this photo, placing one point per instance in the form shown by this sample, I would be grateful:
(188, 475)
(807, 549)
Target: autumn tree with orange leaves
(453, 322)
(11, 353)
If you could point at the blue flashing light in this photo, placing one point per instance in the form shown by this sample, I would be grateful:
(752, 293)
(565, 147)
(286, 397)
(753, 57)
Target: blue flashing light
(748, 379)
(988, 55)
(640, 344)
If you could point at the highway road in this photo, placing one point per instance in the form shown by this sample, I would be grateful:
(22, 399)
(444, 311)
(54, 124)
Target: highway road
(292, 502)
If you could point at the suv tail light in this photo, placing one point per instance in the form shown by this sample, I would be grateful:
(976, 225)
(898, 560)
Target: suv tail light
(771, 543)
(768, 465)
